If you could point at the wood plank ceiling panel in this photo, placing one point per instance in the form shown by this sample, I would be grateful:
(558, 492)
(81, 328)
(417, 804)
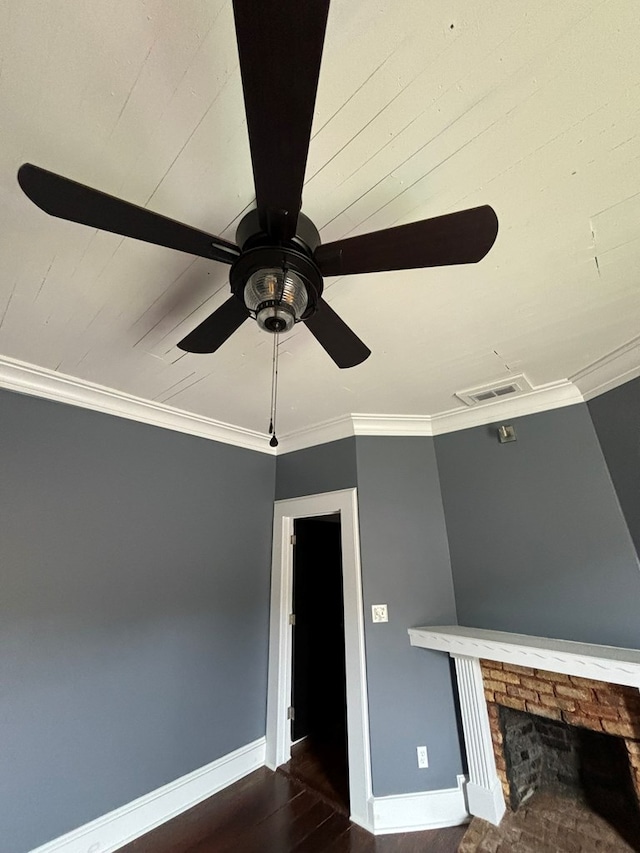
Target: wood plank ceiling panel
(422, 109)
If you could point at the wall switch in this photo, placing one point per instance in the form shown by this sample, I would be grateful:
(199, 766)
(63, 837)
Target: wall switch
(423, 758)
(379, 613)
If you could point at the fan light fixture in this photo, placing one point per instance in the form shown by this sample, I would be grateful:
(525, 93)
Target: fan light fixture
(278, 297)
(278, 263)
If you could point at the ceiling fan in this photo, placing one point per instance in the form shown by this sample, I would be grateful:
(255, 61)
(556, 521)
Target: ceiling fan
(278, 263)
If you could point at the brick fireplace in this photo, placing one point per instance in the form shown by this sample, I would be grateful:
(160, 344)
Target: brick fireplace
(584, 703)
(590, 687)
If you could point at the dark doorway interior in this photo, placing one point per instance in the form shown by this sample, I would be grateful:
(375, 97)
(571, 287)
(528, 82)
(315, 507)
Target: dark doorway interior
(319, 759)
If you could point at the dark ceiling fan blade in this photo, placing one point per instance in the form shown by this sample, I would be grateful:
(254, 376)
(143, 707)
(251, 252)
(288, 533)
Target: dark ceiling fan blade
(464, 237)
(332, 333)
(280, 47)
(76, 202)
(215, 330)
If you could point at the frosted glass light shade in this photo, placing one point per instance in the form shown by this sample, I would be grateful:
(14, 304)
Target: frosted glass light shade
(278, 298)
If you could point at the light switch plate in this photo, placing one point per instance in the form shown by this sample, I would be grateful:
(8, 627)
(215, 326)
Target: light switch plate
(379, 613)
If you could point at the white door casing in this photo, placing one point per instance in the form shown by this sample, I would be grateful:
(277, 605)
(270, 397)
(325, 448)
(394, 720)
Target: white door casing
(278, 746)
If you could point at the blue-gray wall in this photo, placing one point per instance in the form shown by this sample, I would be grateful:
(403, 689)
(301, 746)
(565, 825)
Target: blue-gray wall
(134, 606)
(405, 564)
(314, 470)
(538, 542)
(616, 417)
(134, 596)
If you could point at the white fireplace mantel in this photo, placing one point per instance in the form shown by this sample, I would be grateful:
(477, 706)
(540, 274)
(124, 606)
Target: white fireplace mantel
(468, 645)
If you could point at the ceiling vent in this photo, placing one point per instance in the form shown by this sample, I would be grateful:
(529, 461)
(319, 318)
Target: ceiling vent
(495, 391)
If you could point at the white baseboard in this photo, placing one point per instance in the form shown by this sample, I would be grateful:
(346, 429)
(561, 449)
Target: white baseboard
(414, 812)
(113, 830)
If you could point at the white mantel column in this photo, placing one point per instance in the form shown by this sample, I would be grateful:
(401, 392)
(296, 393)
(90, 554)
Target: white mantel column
(484, 791)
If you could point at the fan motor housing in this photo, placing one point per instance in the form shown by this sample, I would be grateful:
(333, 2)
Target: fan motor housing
(259, 253)
(250, 232)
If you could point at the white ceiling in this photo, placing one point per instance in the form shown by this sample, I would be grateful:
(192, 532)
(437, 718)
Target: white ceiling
(423, 108)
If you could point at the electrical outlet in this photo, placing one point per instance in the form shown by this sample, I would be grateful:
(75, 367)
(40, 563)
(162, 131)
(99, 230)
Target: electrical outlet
(379, 613)
(423, 758)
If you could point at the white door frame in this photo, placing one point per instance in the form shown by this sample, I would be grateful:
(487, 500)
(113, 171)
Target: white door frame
(278, 747)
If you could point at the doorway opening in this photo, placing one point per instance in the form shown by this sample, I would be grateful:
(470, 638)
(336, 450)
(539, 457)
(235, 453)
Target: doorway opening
(278, 748)
(319, 754)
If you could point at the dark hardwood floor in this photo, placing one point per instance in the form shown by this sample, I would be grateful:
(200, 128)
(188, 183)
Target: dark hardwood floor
(269, 812)
(319, 763)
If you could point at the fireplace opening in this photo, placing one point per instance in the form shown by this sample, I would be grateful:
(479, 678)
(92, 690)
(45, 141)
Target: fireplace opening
(551, 755)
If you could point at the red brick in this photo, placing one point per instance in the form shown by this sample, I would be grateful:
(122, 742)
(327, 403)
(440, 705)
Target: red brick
(633, 747)
(536, 684)
(491, 684)
(555, 677)
(504, 676)
(492, 708)
(494, 726)
(490, 696)
(585, 722)
(584, 682)
(543, 711)
(489, 674)
(510, 701)
(521, 693)
(574, 692)
(490, 664)
(620, 728)
(625, 690)
(607, 696)
(628, 710)
(595, 709)
(514, 667)
(552, 701)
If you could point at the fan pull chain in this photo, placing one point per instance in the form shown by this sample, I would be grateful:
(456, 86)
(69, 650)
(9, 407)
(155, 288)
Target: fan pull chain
(274, 392)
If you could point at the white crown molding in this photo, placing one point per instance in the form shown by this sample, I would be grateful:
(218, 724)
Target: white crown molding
(542, 398)
(322, 433)
(617, 367)
(419, 811)
(41, 382)
(550, 396)
(354, 424)
(392, 424)
(111, 831)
